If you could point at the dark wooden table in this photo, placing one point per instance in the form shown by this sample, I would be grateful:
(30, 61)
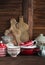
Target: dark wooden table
(22, 60)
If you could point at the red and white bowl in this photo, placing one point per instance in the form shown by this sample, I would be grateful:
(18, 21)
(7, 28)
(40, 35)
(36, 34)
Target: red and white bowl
(29, 48)
(2, 49)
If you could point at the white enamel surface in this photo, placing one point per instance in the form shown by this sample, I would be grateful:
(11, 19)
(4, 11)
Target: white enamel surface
(43, 52)
(40, 38)
(12, 50)
(34, 46)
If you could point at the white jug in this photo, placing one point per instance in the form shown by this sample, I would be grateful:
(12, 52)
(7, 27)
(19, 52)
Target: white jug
(43, 51)
(40, 39)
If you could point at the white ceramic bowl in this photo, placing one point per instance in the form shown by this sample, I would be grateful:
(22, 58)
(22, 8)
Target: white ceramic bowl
(13, 51)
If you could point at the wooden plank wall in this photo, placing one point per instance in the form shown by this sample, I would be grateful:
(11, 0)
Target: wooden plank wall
(27, 13)
(38, 17)
(26, 5)
(13, 8)
(34, 13)
(25, 10)
(9, 9)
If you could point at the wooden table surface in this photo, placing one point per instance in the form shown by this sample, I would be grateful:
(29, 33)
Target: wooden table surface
(22, 60)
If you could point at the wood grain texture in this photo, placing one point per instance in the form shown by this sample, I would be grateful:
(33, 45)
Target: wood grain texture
(9, 9)
(38, 17)
(15, 8)
(23, 60)
(28, 15)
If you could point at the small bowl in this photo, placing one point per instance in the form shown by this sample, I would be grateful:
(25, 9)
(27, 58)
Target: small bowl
(13, 51)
